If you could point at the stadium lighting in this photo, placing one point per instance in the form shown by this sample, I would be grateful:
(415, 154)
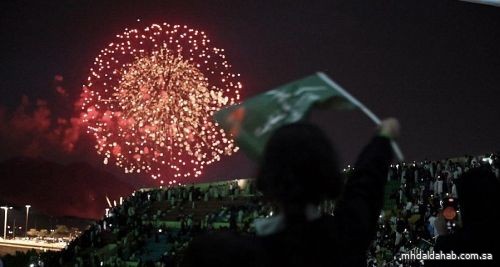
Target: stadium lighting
(5, 209)
(27, 216)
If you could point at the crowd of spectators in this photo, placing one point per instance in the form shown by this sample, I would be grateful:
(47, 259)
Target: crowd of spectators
(153, 227)
(424, 206)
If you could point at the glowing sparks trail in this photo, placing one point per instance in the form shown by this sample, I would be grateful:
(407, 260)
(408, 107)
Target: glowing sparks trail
(150, 98)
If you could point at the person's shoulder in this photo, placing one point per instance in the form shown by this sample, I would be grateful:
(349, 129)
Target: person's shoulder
(222, 238)
(467, 241)
(447, 243)
(320, 229)
(220, 249)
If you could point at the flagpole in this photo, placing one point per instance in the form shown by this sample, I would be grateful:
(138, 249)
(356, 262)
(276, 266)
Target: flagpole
(363, 108)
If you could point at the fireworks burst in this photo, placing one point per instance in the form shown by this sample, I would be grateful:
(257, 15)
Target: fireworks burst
(150, 98)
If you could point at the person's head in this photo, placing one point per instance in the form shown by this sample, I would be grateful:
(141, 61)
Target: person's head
(478, 194)
(299, 166)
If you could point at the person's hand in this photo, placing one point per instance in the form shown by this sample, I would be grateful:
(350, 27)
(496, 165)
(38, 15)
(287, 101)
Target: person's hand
(389, 128)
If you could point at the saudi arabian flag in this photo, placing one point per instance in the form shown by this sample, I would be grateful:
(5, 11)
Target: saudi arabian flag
(252, 122)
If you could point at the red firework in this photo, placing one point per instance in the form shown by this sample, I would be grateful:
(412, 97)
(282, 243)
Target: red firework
(150, 98)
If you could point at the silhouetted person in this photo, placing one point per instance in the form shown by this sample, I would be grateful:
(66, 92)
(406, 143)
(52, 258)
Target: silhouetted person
(478, 195)
(299, 169)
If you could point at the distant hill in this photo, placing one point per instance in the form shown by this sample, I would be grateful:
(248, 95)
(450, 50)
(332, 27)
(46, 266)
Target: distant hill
(76, 189)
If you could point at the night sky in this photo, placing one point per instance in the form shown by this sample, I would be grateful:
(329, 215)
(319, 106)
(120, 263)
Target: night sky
(435, 65)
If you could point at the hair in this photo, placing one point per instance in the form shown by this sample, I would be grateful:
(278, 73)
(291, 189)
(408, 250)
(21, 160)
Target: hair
(299, 166)
(478, 191)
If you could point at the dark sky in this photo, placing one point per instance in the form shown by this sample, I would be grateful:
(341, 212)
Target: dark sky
(435, 65)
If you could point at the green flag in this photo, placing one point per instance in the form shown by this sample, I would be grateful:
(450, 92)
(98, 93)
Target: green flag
(252, 122)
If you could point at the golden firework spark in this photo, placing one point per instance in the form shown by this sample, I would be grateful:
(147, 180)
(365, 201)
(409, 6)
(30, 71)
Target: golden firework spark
(150, 98)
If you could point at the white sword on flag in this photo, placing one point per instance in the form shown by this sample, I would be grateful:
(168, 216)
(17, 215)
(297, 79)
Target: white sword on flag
(363, 108)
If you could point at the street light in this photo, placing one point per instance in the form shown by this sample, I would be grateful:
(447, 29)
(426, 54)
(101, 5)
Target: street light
(5, 209)
(27, 216)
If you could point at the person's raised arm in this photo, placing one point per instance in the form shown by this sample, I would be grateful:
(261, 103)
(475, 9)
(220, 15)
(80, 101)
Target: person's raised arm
(359, 205)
